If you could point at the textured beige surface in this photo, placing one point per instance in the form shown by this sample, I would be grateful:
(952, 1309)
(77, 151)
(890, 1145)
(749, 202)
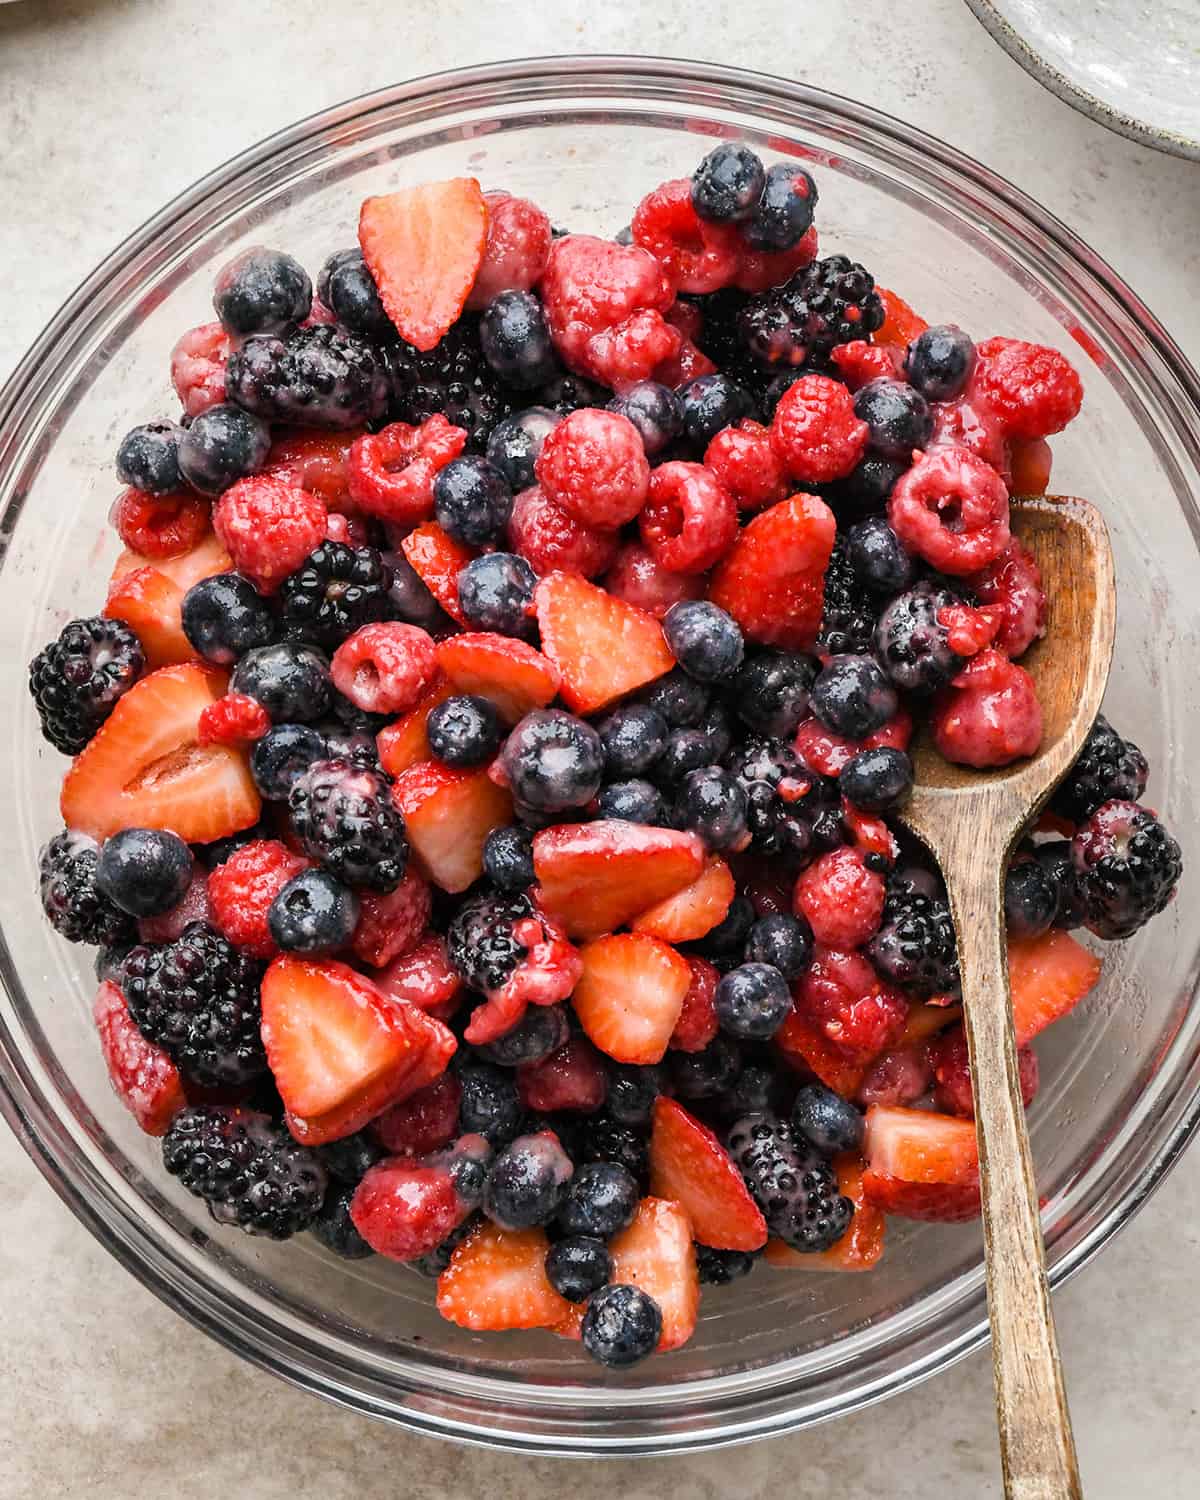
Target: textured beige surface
(107, 107)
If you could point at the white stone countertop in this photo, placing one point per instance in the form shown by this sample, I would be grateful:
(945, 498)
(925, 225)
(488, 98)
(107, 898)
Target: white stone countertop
(107, 109)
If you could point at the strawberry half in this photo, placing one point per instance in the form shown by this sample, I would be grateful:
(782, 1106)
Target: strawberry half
(404, 742)
(510, 674)
(437, 559)
(921, 1165)
(860, 1248)
(773, 579)
(693, 911)
(1048, 977)
(143, 1076)
(603, 647)
(145, 769)
(689, 1165)
(630, 995)
(147, 594)
(448, 814)
(497, 1279)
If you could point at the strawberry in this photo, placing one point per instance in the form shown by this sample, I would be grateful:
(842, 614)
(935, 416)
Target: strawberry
(571, 1078)
(603, 647)
(694, 910)
(1048, 976)
(597, 876)
(497, 1279)
(697, 1024)
(925, 1019)
(438, 559)
(147, 593)
(921, 1165)
(859, 1248)
(143, 1076)
(342, 1051)
(507, 672)
(391, 922)
(805, 1047)
(144, 769)
(423, 976)
(207, 557)
(423, 247)
(630, 995)
(901, 325)
(425, 1121)
(403, 742)
(689, 1165)
(772, 581)
(448, 814)
(404, 1209)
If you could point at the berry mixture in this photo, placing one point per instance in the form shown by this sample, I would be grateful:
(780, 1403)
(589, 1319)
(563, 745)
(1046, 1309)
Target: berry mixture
(486, 761)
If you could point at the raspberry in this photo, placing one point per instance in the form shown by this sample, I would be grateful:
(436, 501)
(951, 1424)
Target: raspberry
(640, 579)
(268, 527)
(571, 1078)
(313, 459)
(425, 1121)
(697, 1025)
(968, 630)
(690, 519)
(951, 509)
(391, 472)
(815, 432)
(952, 1074)
(698, 254)
(241, 891)
(518, 246)
(826, 752)
(989, 715)
(386, 667)
(1011, 587)
(406, 1209)
(687, 365)
(843, 996)
(898, 1077)
(424, 976)
(195, 907)
(392, 923)
(747, 465)
(234, 719)
(960, 424)
(198, 367)
(593, 465)
(553, 541)
(841, 899)
(859, 363)
(161, 525)
(1032, 389)
(760, 270)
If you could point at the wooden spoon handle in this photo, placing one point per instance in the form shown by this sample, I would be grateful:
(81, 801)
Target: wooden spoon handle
(1037, 1448)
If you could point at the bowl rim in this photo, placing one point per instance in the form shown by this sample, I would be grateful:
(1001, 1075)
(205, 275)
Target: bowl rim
(246, 1328)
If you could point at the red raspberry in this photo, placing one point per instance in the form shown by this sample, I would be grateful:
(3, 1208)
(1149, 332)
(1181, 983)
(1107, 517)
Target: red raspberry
(352, 530)
(687, 365)
(859, 362)
(518, 246)
(989, 715)
(234, 719)
(899, 1077)
(1030, 465)
(604, 306)
(161, 525)
(961, 424)
(747, 465)
(687, 317)
(315, 459)
(827, 752)
(841, 899)
(952, 1073)
(404, 1209)
(195, 907)
(571, 1078)
(815, 432)
(268, 527)
(143, 1076)
(593, 465)
(951, 509)
(242, 889)
(640, 579)
(759, 270)
(391, 472)
(1011, 588)
(198, 367)
(968, 630)
(699, 255)
(841, 994)
(1032, 389)
(423, 976)
(697, 1024)
(392, 923)
(869, 834)
(690, 520)
(553, 541)
(386, 667)
(425, 1121)
(767, 882)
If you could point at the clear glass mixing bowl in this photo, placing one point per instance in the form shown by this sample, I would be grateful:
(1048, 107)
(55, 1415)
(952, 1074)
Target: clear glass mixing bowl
(586, 137)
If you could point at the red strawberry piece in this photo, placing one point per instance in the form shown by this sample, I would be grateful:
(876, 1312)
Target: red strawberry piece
(161, 525)
(952, 1074)
(571, 1078)
(426, 1121)
(195, 907)
(690, 518)
(315, 459)
(143, 1076)
(144, 769)
(241, 891)
(858, 362)
(269, 527)
(391, 473)
(448, 814)
(630, 995)
(921, 1165)
(860, 1248)
(423, 247)
(759, 270)
(827, 752)
(841, 994)
(552, 540)
(747, 465)
(773, 580)
(603, 647)
(638, 578)
(689, 1165)
(405, 742)
(901, 325)
(593, 465)
(968, 630)
(697, 1024)
(423, 976)
(385, 668)
(507, 672)
(695, 910)
(148, 595)
(517, 249)
(803, 1045)
(496, 1279)
(1029, 467)
(198, 367)
(234, 719)
(1032, 389)
(438, 559)
(989, 715)
(405, 1209)
(815, 430)
(841, 899)
(869, 834)
(1011, 589)
(951, 509)
(698, 254)
(595, 877)
(1048, 976)
(392, 922)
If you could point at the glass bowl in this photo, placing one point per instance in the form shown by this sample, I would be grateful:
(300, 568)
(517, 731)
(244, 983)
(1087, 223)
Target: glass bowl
(586, 137)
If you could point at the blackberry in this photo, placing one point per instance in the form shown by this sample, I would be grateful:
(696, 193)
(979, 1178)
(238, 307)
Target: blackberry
(1107, 769)
(148, 458)
(344, 816)
(348, 290)
(719, 338)
(606, 1139)
(249, 1170)
(318, 377)
(455, 379)
(77, 679)
(851, 612)
(781, 794)
(261, 291)
(770, 691)
(791, 1181)
(480, 942)
(76, 909)
(490, 1105)
(1127, 866)
(830, 302)
(571, 392)
(335, 1229)
(915, 946)
(334, 591)
(720, 1267)
(913, 648)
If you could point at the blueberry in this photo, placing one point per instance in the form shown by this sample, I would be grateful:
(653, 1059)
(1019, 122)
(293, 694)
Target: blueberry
(705, 1074)
(351, 1158)
(262, 291)
(633, 738)
(468, 1161)
(785, 210)
(720, 1267)
(528, 1182)
(1031, 897)
(680, 699)
(853, 697)
(878, 557)
(632, 1092)
(877, 780)
(516, 342)
(495, 592)
(600, 1200)
(578, 1266)
(313, 914)
(490, 1105)
(144, 871)
(542, 1030)
(283, 753)
(291, 680)
(826, 1120)
(706, 641)
(867, 486)
(898, 418)
(786, 943)
(222, 445)
(755, 1088)
(225, 616)
(464, 730)
(471, 501)
(632, 801)
(731, 932)
(709, 403)
(514, 444)
(712, 803)
(409, 598)
(770, 692)
(148, 458)
(728, 183)
(621, 1326)
(939, 362)
(553, 761)
(654, 410)
(348, 290)
(335, 1229)
(508, 858)
(686, 750)
(752, 1001)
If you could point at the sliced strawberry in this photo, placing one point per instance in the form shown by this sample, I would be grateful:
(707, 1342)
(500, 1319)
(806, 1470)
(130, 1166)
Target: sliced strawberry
(689, 1165)
(921, 1165)
(806, 1048)
(143, 1076)
(404, 742)
(206, 558)
(1048, 976)
(773, 579)
(392, 922)
(438, 559)
(572, 1078)
(147, 594)
(901, 325)
(424, 976)
(423, 246)
(697, 1024)
(144, 768)
(425, 1121)
(448, 814)
(405, 1209)
(860, 1248)
(603, 647)
(508, 673)
(595, 877)
(693, 911)
(630, 995)
(497, 1279)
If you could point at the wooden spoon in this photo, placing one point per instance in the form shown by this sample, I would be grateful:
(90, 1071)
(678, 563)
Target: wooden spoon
(970, 820)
